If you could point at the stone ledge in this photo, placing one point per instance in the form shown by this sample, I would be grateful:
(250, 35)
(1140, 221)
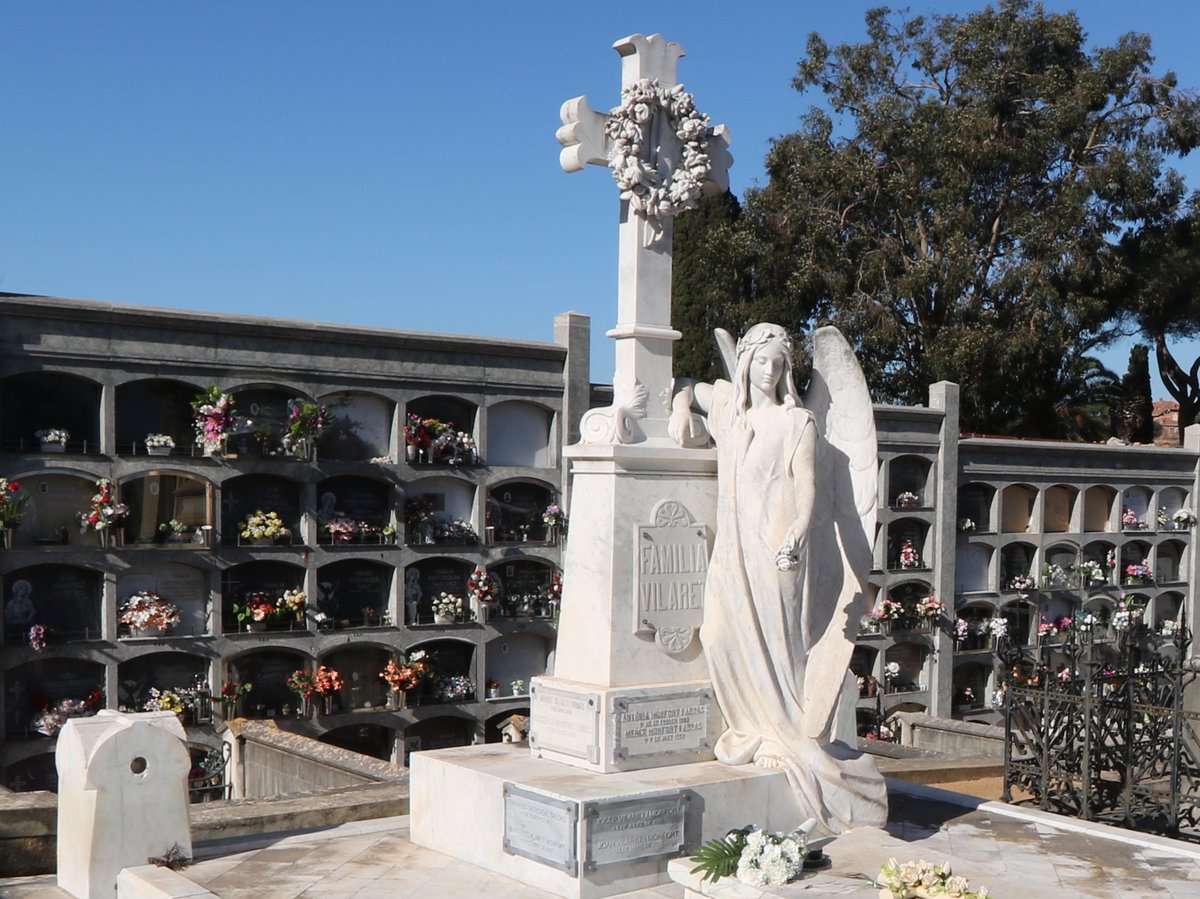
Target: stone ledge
(153, 882)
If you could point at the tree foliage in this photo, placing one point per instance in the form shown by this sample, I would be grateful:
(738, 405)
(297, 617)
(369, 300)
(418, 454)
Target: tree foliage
(1162, 281)
(954, 204)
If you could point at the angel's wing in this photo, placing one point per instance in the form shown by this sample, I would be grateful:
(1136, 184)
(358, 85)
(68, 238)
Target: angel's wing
(728, 349)
(843, 522)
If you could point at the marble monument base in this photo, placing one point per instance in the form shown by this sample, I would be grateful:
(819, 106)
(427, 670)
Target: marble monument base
(608, 729)
(577, 834)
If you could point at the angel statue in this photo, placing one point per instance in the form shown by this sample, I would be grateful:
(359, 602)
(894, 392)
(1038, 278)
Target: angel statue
(785, 584)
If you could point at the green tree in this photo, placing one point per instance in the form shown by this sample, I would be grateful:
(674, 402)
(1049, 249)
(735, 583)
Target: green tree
(1162, 279)
(1134, 414)
(954, 204)
(710, 284)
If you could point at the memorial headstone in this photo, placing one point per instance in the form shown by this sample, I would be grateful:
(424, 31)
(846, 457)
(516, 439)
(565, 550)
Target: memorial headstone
(122, 797)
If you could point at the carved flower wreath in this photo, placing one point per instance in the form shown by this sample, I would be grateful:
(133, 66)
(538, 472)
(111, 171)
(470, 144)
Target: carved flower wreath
(638, 179)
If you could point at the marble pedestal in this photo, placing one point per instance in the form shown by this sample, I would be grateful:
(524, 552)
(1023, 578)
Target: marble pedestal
(578, 834)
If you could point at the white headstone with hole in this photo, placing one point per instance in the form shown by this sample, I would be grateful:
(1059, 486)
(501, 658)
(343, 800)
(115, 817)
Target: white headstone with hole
(122, 797)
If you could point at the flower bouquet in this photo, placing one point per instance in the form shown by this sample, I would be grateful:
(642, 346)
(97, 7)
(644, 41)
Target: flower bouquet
(327, 681)
(12, 506)
(1183, 518)
(481, 589)
(1138, 573)
(407, 675)
(148, 614)
(213, 419)
(159, 444)
(755, 857)
(105, 511)
(922, 880)
(909, 557)
(305, 422)
(930, 608)
(292, 603)
(341, 529)
(908, 500)
(1054, 576)
(53, 440)
(164, 701)
(447, 608)
(966, 526)
(1130, 520)
(256, 609)
(262, 525)
(1091, 573)
(1022, 583)
(554, 518)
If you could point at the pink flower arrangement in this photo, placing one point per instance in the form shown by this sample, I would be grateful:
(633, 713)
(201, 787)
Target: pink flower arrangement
(327, 681)
(213, 418)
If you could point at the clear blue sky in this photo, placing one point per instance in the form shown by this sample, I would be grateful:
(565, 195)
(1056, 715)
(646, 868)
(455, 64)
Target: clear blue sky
(379, 163)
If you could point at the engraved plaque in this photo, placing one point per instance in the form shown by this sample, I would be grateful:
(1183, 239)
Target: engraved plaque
(672, 564)
(676, 723)
(566, 722)
(540, 828)
(633, 829)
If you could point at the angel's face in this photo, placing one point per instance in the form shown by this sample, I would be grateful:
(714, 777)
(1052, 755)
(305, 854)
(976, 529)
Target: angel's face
(766, 366)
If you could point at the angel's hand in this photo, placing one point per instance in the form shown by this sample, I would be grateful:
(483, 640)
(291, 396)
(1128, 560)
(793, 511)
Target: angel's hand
(786, 558)
(686, 428)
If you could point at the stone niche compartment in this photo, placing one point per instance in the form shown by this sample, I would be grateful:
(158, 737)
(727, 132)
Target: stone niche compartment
(62, 598)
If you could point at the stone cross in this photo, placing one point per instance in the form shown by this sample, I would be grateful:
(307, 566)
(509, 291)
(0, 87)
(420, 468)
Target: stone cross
(643, 332)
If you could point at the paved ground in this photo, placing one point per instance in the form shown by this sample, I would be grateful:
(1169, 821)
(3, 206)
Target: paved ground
(1014, 852)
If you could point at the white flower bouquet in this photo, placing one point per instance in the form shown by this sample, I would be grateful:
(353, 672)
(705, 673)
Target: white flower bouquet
(923, 880)
(448, 605)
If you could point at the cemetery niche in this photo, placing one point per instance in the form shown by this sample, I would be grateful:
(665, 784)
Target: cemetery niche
(358, 428)
(62, 602)
(40, 696)
(154, 406)
(244, 497)
(44, 401)
(354, 593)
(168, 509)
(267, 670)
(354, 511)
(263, 595)
(515, 512)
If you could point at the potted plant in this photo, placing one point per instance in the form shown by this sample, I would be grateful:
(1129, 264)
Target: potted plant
(262, 528)
(147, 614)
(104, 514)
(159, 444)
(212, 419)
(447, 608)
(518, 687)
(53, 440)
(12, 505)
(305, 422)
(907, 500)
(493, 688)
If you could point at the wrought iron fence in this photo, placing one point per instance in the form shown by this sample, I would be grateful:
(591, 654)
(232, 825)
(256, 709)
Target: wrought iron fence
(1097, 729)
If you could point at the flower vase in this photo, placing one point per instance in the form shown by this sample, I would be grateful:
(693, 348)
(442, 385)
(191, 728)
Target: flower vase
(109, 539)
(397, 700)
(255, 627)
(158, 450)
(52, 447)
(482, 610)
(410, 452)
(443, 619)
(493, 692)
(327, 704)
(8, 538)
(159, 631)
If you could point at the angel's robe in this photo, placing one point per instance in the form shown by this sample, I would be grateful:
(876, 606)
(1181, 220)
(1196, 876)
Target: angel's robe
(753, 632)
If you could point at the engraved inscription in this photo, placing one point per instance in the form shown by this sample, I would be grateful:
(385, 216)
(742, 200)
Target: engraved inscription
(634, 829)
(540, 828)
(566, 722)
(672, 564)
(660, 725)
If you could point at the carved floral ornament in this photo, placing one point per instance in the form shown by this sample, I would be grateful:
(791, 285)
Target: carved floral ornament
(632, 155)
